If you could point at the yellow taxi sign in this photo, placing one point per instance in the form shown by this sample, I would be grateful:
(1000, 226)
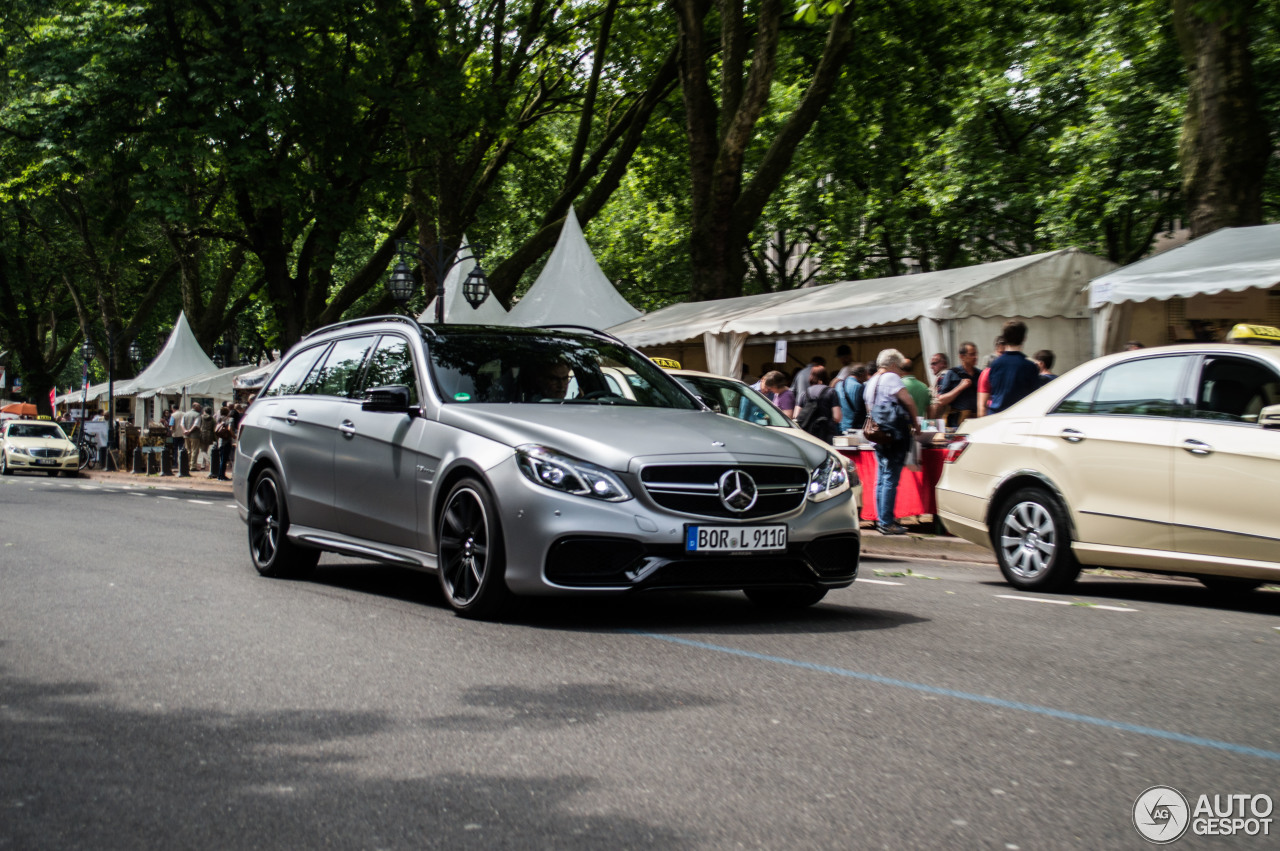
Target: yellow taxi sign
(1264, 335)
(668, 363)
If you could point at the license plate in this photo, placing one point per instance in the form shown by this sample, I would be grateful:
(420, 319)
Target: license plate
(44, 462)
(735, 539)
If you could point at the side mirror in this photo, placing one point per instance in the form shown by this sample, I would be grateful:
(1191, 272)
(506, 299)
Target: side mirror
(713, 405)
(1269, 417)
(391, 399)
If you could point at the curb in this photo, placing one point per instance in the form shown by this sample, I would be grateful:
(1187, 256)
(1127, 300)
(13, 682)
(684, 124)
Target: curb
(912, 546)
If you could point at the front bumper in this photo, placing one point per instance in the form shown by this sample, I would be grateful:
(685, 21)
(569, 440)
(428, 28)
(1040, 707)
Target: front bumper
(43, 465)
(562, 544)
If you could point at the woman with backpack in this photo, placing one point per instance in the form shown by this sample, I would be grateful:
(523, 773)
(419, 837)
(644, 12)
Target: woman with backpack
(818, 409)
(890, 406)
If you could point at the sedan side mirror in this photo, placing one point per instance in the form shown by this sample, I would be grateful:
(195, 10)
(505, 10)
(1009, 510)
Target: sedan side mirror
(390, 399)
(1269, 417)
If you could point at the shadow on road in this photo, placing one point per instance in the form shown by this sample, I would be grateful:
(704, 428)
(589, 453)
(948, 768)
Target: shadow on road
(1172, 592)
(686, 611)
(80, 771)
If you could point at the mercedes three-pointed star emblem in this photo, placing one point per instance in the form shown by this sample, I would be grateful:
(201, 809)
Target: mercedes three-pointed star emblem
(737, 491)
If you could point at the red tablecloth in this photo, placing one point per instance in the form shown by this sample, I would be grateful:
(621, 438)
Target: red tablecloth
(915, 489)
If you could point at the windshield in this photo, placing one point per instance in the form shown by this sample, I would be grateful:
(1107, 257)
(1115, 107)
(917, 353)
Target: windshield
(36, 430)
(546, 367)
(726, 396)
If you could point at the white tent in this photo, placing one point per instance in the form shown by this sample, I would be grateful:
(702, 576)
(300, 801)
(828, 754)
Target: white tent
(180, 360)
(1228, 274)
(943, 308)
(457, 310)
(572, 289)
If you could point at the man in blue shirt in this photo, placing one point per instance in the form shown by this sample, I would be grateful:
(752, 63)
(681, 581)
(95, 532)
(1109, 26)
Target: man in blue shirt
(853, 411)
(1012, 375)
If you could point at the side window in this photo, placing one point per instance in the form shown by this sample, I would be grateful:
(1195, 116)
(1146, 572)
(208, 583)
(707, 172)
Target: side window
(1137, 388)
(290, 377)
(1234, 390)
(392, 363)
(1080, 400)
(339, 375)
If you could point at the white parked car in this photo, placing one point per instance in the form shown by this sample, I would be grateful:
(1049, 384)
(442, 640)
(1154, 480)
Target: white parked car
(1162, 459)
(37, 446)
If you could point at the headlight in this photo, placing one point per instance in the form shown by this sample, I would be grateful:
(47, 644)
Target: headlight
(569, 475)
(830, 479)
(67, 453)
(20, 450)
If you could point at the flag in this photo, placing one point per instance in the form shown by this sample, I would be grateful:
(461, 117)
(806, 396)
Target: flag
(53, 394)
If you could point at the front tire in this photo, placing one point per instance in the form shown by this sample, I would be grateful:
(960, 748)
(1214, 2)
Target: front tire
(1032, 541)
(471, 554)
(273, 554)
(5, 469)
(778, 599)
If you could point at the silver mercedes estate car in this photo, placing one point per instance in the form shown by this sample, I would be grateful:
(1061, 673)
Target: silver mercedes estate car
(507, 462)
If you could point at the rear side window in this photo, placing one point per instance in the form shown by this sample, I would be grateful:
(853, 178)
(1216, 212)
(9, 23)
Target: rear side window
(1136, 388)
(1235, 390)
(289, 379)
(339, 375)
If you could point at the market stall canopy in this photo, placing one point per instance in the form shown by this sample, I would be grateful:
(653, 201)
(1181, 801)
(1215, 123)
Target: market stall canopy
(219, 384)
(943, 305)
(256, 377)
(572, 289)
(180, 359)
(1227, 260)
(457, 310)
(1231, 269)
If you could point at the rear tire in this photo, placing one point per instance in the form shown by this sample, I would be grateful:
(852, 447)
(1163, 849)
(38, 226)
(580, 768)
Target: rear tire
(1229, 584)
(778, 599)
(1032, 541)
(471, 554)
(273, 554)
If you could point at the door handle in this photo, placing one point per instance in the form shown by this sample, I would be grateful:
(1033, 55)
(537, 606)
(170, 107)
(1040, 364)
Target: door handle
(348, 429)
(1071, 435)
(1197, 447)
(291, 417)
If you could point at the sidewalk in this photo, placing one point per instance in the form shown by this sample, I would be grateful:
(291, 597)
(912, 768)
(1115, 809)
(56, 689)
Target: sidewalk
(919, 542)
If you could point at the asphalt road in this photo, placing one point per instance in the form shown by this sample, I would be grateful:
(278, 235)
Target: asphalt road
(156, 693)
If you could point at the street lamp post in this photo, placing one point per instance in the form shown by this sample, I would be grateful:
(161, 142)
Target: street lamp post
(86, 351)
(441, 258)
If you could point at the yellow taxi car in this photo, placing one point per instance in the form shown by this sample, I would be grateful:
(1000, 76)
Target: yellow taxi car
(37, 446)
(1162, 459)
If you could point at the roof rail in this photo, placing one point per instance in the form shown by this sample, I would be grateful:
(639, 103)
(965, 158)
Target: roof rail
(391, 317)
(584, 328)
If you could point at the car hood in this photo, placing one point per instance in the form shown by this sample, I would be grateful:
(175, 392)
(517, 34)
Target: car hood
(614, 436)
(58, 443)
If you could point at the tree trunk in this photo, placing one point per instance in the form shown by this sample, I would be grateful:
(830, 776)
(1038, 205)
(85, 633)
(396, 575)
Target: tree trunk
(1225, 147)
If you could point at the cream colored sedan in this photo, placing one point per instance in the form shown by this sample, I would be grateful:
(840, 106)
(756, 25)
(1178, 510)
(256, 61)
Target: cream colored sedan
(1163, 459)
(37, 446)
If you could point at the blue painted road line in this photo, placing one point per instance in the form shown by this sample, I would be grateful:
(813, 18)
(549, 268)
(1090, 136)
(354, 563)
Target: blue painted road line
(1245, 750)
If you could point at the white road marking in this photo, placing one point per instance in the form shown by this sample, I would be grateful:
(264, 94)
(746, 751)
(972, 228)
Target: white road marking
(199, 502)
(877, 581)
(174, 498)
(1065, 603)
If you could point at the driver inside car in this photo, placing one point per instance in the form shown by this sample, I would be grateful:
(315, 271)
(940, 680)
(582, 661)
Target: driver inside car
(550, 380)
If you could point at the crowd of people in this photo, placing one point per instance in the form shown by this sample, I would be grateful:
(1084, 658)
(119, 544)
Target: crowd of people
(888, 392)
(209, 438)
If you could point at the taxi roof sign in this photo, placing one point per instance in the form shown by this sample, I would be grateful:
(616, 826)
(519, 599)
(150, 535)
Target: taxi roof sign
(668, 363)
(1259, 335)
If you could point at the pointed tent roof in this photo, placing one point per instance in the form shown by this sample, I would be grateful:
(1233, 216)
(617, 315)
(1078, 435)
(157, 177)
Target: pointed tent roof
(572, 289)
(457, 310)
(181, 358)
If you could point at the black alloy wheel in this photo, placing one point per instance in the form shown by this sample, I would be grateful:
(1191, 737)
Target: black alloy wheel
(1033, 542)
(272, 552)
(472, 560)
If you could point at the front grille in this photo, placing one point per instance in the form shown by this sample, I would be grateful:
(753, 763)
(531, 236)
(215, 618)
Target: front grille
(694, 488)
(46, 453)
